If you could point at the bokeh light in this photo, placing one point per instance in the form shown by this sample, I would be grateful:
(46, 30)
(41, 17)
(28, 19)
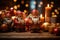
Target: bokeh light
(18, 6)
(34, 2)
(14, 0)
(41, 3)
(22, 2)
(52, 2)
(26, 5)
(51, 5)
(56, 10)
(15, 7)
(25, 11)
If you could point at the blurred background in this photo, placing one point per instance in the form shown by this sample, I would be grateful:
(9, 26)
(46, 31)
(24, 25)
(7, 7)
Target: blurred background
(28, 5)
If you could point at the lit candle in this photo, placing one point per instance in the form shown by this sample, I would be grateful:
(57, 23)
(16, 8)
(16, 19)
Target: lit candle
(47, 12)
(41, 18)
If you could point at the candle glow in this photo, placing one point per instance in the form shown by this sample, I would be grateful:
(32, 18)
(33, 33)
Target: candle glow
(41, 16)
(47, 12)
(47, 5)
(13, 17)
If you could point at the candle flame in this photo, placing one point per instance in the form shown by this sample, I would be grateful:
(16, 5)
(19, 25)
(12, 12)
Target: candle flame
(47, 5)
(41, 15)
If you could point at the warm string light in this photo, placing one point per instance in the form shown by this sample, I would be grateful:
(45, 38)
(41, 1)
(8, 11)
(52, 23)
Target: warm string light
(52, 2)
(15, 0)
(22, 2)
(57, 12)
(25, 11)
(18, 6)
(51, 5)
(54, 16)
(26, 5)
(15, 7)
(41, 3)
(53, 13)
